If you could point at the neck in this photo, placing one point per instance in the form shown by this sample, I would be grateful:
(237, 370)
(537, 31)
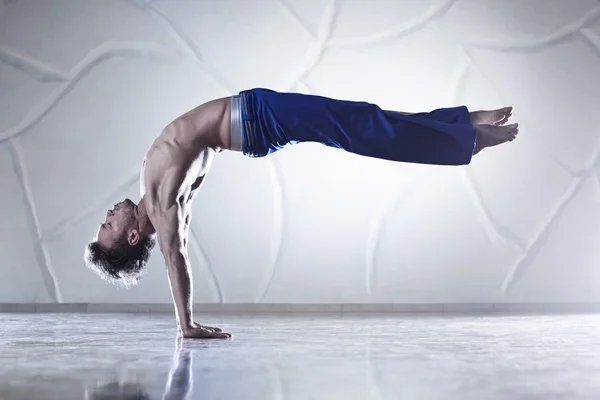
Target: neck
(141, 213)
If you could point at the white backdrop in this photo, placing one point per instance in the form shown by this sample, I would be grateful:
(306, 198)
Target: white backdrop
(85, 86)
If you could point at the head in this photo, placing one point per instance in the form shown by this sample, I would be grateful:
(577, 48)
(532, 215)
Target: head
(121, 250)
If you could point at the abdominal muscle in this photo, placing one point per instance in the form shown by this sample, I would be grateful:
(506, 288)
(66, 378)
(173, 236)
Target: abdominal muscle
(207, 131)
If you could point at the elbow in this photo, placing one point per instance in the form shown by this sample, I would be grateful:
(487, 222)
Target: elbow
(175, 258)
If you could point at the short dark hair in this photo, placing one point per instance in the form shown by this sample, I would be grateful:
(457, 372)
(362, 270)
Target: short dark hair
(122, 263)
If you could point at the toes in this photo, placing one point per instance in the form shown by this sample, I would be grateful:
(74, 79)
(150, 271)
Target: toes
(506, 114)
(502, 121)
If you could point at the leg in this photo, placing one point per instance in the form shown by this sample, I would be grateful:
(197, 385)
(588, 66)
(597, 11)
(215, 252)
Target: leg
(487, 123)
(484, 117)
(441, 137)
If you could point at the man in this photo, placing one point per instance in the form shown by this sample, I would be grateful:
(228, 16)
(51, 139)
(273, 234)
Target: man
(259, 122)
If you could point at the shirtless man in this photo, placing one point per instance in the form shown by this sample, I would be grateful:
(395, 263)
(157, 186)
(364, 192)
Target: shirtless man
(258, 122)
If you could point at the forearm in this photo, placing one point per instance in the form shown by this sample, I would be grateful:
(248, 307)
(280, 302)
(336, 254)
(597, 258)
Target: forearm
(180, 377)
(180, 279)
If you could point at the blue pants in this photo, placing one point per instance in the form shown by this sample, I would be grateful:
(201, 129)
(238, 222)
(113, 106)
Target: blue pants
(272, 120)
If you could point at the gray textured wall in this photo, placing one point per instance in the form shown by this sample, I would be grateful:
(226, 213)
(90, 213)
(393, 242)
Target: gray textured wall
(85, 86)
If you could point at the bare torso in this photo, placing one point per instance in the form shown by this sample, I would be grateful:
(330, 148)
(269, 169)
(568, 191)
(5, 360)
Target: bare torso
(180, 157)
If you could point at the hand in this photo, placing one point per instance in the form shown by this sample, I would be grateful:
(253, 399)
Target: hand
(210, 328)
(197, 331)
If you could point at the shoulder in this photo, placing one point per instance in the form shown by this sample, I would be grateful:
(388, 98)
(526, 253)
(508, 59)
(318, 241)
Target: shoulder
(162, 172)
(163, 199)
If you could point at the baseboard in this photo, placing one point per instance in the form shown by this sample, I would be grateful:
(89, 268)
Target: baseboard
(260, 308)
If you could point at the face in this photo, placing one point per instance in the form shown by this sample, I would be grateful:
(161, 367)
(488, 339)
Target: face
(119, 221)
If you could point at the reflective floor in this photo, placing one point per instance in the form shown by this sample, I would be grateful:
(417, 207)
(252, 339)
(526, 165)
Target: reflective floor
(86, 356)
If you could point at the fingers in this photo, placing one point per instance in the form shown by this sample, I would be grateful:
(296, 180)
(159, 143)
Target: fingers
(214, 329)
(205, 334)
(202, 332)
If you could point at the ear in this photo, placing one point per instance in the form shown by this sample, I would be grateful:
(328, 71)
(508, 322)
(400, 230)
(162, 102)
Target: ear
(133, 237)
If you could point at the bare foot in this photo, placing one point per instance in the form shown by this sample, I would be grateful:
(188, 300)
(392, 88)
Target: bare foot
(492, 135)
(492, 117)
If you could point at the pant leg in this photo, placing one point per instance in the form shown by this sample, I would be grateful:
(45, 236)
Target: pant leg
(362, 128)
(448, 115)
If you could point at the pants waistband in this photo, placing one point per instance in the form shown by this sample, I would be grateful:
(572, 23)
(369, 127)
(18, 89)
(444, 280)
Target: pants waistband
(236, 124)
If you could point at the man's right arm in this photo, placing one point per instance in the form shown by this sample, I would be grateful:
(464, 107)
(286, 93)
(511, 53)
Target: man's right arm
(171, 234)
